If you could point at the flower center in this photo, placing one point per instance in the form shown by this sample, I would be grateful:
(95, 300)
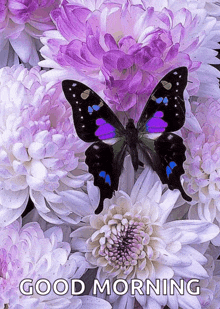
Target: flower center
(124, 244)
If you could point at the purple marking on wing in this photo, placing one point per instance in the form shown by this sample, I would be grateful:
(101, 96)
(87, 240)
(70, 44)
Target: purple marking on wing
(155, 124)
(105, 130)
(107, 136)
(158, 114)
(100, 121)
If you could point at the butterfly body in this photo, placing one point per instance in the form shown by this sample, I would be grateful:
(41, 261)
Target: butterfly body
(132, 142)
(164, 113)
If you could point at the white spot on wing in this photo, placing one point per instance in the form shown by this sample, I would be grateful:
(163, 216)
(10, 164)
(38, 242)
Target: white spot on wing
(111, 141)
(152, 135)
(74, 84)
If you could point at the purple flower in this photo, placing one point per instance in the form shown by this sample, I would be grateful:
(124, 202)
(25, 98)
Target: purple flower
(124, 50)
(21, 25)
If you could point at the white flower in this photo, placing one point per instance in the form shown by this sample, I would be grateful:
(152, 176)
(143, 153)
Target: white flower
(28, 252)
(40, 154)
(131, 239)
(209, 297)
(202, 165)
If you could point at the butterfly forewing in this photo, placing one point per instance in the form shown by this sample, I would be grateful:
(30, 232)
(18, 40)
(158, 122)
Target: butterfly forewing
(93, 119)
(165, 109)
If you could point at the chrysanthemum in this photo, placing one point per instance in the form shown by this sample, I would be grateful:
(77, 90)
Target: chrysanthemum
(123, 50)
(131, 239)
(28, 252)
(209, 297)
(21, 25)
(40, 154)
(202, 165)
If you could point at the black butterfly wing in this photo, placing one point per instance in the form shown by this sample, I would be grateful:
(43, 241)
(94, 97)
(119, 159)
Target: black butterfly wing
(164, 113)
(171, 150)
(105, 163)
(165, 109)
(95, 122)
(166, 157)
(93, 119)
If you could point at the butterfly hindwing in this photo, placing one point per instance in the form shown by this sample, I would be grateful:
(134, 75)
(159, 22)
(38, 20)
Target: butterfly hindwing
(171, 151)
(165, 109)
(93, 119)
(105, 163)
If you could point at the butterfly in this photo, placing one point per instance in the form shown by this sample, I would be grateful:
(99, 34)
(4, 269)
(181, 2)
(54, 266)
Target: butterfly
(163, 113)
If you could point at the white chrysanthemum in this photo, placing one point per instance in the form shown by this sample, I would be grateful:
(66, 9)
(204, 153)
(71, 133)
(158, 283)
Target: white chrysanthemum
(211, 6)
(210, 287)
(40, 154)
(202, 165)
(131, 239)
(28, 252)
(209, 297)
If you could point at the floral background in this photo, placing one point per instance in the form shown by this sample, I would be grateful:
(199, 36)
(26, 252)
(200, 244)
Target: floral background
(121, 49)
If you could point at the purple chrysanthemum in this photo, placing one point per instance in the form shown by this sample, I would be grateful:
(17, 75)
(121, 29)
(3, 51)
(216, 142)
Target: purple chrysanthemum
(128, 48)
(21, 25)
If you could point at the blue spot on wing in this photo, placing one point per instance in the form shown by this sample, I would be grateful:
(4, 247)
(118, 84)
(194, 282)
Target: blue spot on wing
(106, 177)
(90, 110)
(108, 180)
(165, 100)
(102, 174)
(168, 171)
(93, 108)
(96, 107)
(169, 168)
(159, 100)
(172, 164)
